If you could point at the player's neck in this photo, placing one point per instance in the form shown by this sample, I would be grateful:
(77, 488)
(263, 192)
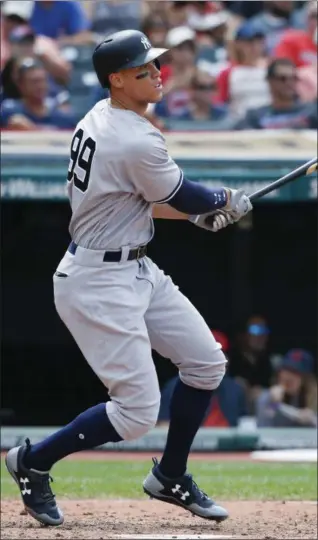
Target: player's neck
(126, 104)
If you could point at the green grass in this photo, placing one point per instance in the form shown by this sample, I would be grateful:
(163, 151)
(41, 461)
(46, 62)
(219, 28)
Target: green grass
(222, 480)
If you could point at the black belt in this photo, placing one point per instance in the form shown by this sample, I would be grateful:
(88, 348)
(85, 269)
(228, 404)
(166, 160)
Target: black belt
(115, 256)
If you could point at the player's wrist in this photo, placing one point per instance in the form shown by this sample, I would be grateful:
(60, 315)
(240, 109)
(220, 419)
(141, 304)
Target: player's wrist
(228, 194)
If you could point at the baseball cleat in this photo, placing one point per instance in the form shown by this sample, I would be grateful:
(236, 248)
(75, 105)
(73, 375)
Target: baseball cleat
(36, 493)
(182, 492)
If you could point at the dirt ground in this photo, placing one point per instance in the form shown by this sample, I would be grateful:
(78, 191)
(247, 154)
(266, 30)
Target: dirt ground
(105, 519)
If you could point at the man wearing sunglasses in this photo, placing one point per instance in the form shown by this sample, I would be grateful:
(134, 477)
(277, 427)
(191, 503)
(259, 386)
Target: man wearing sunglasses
(285, 110)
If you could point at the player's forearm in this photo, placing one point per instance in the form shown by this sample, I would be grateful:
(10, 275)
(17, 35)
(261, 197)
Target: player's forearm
(165, 211)
(193, 198)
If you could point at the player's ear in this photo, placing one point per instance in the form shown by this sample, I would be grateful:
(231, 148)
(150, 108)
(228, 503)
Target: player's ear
(116, 80)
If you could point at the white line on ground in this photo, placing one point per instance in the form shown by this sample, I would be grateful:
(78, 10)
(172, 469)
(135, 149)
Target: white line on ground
(173, 537)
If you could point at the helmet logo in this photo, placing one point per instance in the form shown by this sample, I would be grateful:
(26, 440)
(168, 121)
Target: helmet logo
(146, 43)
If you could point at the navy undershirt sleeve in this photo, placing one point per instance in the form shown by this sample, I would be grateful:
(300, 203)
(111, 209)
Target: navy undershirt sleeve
(193, 198)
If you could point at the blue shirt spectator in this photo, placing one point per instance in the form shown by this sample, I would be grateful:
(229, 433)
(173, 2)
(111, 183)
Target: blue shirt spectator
(51, 118)
(35, 108)
(212, 112)
(56, 19)
(200, 105)
(24, 44)
(297, 116)
(284, 111)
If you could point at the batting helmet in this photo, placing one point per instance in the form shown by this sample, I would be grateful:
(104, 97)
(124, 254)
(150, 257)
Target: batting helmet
(123, 50)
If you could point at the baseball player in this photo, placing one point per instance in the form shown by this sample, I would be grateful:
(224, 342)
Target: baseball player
(115, 301)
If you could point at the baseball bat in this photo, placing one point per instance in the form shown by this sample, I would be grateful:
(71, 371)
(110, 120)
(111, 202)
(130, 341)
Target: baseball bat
(305, 169)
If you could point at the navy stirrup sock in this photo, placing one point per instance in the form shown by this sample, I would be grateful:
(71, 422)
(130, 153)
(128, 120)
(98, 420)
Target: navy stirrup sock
(187, 411)
(88, 430)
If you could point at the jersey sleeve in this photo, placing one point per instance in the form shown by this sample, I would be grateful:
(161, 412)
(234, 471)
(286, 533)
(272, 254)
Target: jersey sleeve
(154, 174)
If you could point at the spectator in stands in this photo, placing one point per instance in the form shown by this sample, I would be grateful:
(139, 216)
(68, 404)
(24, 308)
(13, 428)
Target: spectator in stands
(13, 15)
(228, 403)
(178, 74)
(277, 17)
(243, 84)
(24, 44)
(250, 360)
(181, 12)
(64, 21)
(109, 16)
(178, 13)
(211, 30)
(155, 27)
(200, 107)
(285, 110)
(292, 401)
(300, 46)
(34, 110)
(157, 7)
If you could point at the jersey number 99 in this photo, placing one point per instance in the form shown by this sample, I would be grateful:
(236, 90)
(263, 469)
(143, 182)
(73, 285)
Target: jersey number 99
(79, 168)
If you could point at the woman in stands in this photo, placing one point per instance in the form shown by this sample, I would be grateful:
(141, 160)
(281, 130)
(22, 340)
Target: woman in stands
(292, 401)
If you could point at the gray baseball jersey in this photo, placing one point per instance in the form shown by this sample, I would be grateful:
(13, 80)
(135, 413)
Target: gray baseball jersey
(118, 312)
(119, 166)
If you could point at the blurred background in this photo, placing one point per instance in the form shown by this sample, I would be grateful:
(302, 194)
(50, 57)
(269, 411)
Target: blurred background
(239, 109)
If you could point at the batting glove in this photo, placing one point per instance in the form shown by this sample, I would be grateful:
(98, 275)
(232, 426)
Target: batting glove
(238, 204)
(214, 221)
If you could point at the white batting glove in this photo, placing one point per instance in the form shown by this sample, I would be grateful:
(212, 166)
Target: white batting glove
(214, 221)
(238, 206)
(221, 220)
(238, 203)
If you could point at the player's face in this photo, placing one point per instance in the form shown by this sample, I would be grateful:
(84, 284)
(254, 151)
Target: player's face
(143, 84)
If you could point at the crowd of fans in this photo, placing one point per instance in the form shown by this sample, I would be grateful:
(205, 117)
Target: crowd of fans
(273, 390)
(232, 65)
